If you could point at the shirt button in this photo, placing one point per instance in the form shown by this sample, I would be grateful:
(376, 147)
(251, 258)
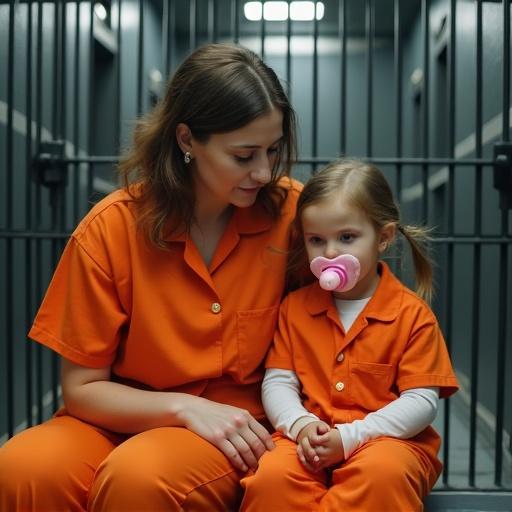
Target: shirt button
(339, 386)
(216, 307)
(340, 357)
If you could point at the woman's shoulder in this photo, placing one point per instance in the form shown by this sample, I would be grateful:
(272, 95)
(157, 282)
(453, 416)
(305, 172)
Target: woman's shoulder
(112, 212)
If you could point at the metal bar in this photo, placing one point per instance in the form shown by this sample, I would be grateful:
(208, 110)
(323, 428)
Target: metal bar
(56, 70)
(9, 288)
(35, 235)
(28, 223)
(38, 206)
(140, 58)
(63, 135)
(342, 31)
(506, 72)
(262, 33)
(211, 20)
(449, 281)
(63, 72)
(192, 24)
(117, 112)
(76, 114)
(215, 22)
(369, 76)
(235, 25)
(314, 130)
(171, 35)
(425, 13)
(165, 36)
(90, 131)
(398, 78)
(398, 70)
(477, 250)
(469, 162)
(455, 239)
(503, 266)
(289, 54)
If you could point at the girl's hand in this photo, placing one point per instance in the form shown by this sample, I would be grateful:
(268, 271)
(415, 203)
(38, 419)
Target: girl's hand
(328, 449)
(312, 435)
(241, 438)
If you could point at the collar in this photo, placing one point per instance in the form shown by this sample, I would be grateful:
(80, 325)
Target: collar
(384, 304)
(245, 221)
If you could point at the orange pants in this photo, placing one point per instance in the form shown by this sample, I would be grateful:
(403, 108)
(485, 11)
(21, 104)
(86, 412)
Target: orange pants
(385, 475)
(68, 465)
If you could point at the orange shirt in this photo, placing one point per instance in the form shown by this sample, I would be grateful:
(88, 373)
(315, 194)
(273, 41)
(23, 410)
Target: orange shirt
(395, 344)
(162, 319)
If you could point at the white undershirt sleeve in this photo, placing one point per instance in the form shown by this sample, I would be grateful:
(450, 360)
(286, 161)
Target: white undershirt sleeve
(282, 402)
(403, 418)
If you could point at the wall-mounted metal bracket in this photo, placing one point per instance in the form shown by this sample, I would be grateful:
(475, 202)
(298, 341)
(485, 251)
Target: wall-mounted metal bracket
(503, 173)
(48, 167)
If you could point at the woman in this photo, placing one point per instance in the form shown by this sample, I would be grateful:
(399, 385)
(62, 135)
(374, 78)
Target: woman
(164, 304)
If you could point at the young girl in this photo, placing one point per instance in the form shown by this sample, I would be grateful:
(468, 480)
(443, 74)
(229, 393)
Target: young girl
(354, 376)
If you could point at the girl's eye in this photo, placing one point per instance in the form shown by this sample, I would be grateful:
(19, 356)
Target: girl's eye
(273, 151)
(315, 240)
(347, 237)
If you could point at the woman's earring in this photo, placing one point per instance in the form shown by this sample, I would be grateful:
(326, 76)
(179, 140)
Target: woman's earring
(187, 157)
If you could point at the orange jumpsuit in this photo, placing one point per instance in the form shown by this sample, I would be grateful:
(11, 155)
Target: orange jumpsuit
(395, 344)
(164, 321)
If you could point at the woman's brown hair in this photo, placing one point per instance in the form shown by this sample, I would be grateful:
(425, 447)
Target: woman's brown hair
(364, 186)
(217, 89)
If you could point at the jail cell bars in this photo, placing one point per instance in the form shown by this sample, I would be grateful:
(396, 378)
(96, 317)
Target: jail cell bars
(419, 87)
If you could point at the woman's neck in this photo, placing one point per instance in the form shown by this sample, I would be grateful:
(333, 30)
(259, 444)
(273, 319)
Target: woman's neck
(207, 230)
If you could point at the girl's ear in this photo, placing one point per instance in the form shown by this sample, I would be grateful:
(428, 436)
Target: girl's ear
(386, 236)
(184, 137)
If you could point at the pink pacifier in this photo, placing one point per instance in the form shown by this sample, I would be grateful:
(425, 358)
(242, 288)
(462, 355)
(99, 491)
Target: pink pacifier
(339, 274)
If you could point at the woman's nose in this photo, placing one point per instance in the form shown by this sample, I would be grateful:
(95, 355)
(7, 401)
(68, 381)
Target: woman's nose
(262, 172)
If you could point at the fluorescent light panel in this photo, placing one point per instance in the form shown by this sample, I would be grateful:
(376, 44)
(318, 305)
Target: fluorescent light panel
(279, 11)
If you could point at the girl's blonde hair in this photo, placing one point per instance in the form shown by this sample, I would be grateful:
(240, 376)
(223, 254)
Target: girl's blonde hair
(364, 186)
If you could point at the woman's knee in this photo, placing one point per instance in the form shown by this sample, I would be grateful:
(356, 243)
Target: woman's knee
(161, 469)
(50, 466)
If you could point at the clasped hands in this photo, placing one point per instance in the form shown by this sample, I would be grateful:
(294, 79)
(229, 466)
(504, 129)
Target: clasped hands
(319, 446)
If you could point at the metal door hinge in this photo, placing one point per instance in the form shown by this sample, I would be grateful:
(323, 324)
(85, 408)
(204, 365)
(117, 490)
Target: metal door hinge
(503, 173)
(48, 167)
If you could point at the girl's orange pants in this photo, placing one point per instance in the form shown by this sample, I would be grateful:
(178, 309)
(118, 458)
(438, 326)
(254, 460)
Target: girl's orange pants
(66, 465)
(385, 475)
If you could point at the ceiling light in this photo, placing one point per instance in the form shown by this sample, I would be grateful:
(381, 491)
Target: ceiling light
(253, 10)
(279, 11)
(305, 11)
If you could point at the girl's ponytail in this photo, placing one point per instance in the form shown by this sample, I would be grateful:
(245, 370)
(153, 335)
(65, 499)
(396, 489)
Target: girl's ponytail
(418, 237)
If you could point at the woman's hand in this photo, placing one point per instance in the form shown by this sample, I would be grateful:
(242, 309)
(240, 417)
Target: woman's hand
(241, 438)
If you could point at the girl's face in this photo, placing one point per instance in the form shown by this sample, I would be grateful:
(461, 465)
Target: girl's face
(231, 168)
(334, 227)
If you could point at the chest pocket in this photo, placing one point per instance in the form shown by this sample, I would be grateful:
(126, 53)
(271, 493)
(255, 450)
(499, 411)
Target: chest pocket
(370, 384)
(255, 331)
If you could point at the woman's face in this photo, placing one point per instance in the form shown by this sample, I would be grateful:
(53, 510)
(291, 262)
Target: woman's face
(231, 168)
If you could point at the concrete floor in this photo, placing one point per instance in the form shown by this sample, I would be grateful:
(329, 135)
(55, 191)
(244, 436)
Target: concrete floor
(457, 496)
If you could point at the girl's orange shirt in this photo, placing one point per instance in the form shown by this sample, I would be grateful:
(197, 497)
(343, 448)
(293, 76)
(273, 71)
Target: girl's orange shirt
(395, 344)
(162, 319)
